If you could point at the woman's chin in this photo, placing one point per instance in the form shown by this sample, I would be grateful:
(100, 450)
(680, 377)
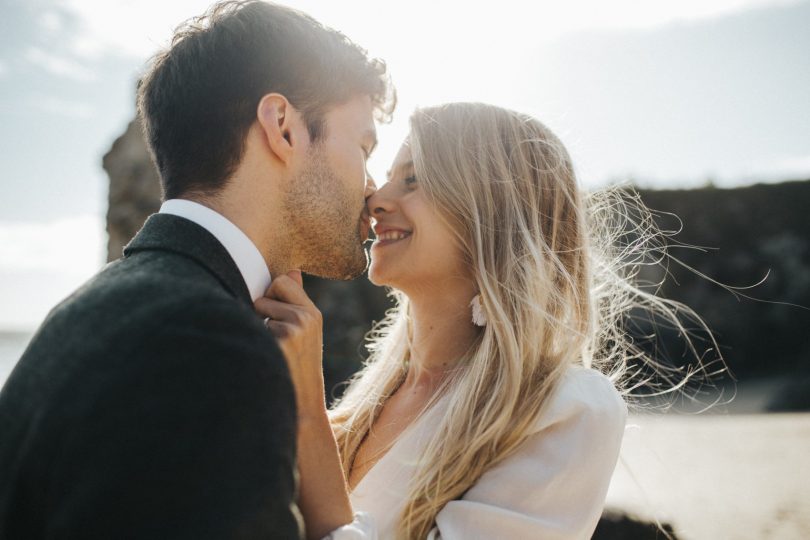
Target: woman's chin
(381, 275)
(375, 275)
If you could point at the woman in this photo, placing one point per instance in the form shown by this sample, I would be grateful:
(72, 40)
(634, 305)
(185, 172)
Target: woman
(482, 411)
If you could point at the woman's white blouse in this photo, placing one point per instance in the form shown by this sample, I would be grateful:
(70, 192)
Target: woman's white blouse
(552, 488)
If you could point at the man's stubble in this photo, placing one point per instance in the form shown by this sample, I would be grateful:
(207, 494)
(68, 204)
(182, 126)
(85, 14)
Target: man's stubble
(324, 222)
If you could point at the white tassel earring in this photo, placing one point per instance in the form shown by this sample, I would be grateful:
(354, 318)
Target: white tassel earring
(479, 318)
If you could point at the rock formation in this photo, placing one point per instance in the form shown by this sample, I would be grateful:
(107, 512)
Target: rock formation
(618, 525)
(134, 188)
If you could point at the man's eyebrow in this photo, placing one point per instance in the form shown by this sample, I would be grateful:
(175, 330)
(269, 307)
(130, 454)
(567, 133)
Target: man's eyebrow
(405, 166)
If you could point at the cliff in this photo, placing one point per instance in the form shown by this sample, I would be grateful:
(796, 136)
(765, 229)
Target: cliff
(756, 239)
(134, 188)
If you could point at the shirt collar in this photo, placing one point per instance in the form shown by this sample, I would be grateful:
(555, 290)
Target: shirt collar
(239, 246)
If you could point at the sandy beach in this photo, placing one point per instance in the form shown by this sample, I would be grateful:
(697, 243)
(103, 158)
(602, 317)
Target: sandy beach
(714, 477)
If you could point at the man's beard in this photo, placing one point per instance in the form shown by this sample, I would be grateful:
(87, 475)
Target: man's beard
(324, 222)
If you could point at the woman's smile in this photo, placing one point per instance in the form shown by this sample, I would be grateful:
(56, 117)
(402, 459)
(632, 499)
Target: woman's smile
(388, 235)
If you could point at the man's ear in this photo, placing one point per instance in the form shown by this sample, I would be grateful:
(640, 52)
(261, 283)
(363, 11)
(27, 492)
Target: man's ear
(280, 123)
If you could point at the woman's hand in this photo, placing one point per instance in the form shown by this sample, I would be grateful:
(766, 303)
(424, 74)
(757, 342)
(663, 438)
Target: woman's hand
(298, 326)
(323, 497)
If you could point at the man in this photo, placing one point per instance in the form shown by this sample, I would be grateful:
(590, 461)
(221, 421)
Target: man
(154, 402)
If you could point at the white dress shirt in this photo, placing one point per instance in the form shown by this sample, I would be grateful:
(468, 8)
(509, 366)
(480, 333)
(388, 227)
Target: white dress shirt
(553, 487)
(242, 250)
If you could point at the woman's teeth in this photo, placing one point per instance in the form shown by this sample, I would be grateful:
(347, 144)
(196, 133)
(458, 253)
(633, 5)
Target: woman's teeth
(392, 235)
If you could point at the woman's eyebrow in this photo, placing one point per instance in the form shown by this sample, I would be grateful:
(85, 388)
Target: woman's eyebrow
(408, 164)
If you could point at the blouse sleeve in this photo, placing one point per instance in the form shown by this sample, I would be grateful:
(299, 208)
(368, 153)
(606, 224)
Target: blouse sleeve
(555, 485)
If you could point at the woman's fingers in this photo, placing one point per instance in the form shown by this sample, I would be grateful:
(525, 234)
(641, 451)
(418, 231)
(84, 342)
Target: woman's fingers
(279, 329)
(307, 318)
(296, 276)
(288, 289)
(276, 309)
(297, 325)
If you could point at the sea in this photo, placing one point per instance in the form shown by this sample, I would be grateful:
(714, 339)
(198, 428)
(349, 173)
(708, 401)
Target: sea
(737, 473)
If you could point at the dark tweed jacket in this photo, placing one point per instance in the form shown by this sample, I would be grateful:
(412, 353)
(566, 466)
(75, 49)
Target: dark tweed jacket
(152, 403)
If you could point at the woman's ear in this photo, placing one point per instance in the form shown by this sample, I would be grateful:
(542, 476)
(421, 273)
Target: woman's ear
(278, 120)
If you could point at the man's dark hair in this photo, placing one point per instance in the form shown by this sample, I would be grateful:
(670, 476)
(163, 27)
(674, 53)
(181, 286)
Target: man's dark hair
(199, 99)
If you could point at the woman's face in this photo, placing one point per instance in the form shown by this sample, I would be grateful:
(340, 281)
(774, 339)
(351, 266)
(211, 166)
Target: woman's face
(415, 250)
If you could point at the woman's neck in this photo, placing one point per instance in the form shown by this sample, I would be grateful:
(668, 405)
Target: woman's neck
(442, 332)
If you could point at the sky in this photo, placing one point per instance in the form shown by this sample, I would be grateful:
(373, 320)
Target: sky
(671, 93)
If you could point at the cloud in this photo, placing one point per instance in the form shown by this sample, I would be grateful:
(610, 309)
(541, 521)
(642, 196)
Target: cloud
(58, 65)
(43, 262)
(28, 295)
(71, 246)
(51, 21)
(64, 107)
(3, 68)
(139, 28)
(129, 28)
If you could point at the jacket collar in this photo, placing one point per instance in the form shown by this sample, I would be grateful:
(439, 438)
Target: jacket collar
(166, 232)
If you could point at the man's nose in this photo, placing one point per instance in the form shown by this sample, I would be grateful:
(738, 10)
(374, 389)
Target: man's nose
(371, 186)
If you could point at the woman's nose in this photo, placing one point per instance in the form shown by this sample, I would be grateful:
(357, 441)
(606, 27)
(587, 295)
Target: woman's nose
(379, 203)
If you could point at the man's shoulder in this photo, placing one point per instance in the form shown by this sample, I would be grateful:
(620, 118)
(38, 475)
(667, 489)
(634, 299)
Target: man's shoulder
(146, 285)
(158, 305)
(157, 272)
(123, 325)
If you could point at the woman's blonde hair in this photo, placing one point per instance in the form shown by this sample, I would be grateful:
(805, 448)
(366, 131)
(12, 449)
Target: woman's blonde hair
(554, 283)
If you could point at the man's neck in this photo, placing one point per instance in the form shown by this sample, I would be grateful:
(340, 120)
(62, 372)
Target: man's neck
(240, 247)
(245, 218)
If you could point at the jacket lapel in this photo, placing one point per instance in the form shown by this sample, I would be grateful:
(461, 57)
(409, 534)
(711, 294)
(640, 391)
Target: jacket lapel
(166, 232)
